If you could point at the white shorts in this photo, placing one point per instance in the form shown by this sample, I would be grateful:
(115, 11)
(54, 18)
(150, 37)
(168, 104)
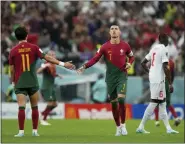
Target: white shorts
(158, 90)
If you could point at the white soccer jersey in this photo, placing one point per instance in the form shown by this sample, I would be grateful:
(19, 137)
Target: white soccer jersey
(157, 55)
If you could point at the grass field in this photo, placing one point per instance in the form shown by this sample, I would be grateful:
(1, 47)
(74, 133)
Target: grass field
(89, 131)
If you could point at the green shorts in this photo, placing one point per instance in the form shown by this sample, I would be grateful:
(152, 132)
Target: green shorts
(48, 94)
(27, 91)
(116, 88)
(168, 95)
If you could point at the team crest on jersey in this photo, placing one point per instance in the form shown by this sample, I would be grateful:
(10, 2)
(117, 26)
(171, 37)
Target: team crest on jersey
(121, 52)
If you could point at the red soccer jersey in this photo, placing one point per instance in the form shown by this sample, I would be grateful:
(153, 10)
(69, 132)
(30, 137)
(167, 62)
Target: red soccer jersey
(115, 58)
(23, 57)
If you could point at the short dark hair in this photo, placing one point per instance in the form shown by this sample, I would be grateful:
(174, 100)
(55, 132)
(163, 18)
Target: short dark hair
(21, 33)
(162, 37)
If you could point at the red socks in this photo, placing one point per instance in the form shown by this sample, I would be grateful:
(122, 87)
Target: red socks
(172, 110)
(115, 113)
(21, 117)
(35, 117)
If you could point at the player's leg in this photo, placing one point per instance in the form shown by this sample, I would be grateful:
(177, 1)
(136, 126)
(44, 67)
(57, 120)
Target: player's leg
(164, 117)
(121, 95)
(169, 106)
(34, 98)
(172, 110)
(147, 114)
(154, 90)
(156, 111)
(21, 99)
(50, 97)
(115, 111)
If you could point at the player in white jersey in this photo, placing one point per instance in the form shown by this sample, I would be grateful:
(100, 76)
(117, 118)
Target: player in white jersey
(158, 56)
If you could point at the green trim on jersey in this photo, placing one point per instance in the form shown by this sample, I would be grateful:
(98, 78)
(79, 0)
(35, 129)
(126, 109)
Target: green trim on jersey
(28, 78)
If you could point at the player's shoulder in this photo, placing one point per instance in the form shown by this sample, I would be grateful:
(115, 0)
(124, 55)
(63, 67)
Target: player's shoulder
(31, 45)
(125, 44)
(105, 45)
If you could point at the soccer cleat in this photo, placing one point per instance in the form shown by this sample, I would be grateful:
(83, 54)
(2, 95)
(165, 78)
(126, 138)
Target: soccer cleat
(35, 134)
(118, 131)
(19, 135)
(142, 131)
(157, 123)
(43, 122)
(171, 131)
(124, 131)
(177, 122)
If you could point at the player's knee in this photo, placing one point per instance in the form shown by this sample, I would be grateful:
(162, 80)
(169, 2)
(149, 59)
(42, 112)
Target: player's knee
(114, 103)
(121, 95)
(121, 100)
(55, 104)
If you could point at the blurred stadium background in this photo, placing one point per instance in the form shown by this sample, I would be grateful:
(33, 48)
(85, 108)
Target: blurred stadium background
(75, 31)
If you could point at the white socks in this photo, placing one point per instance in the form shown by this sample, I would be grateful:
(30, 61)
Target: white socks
(164, 116)
(34, 131)
(149, 111)
(21, 131)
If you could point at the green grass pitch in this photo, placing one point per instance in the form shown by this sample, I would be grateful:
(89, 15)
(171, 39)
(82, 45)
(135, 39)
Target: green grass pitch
(89, 131)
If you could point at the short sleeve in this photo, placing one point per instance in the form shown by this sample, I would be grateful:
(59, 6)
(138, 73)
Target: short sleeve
(39, 53)
(164, 54)
(10, 58)
(148, 56)
(129, 51)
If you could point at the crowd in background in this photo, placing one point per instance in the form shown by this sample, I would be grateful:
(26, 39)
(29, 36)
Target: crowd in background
(76, 30)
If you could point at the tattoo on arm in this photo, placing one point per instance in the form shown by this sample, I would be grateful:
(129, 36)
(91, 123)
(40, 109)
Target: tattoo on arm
(167, 72)
(143, 64)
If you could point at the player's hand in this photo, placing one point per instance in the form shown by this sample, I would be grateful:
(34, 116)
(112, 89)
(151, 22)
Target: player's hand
(128, 65)
(69, 65)
(171, 88)
(45, 65)
(81, 70)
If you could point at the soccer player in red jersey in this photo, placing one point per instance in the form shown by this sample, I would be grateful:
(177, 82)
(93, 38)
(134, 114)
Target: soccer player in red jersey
(115, 52)
(22, 60)
(168, 98)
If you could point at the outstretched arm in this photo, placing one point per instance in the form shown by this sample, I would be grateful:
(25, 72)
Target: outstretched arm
(53, 60)
(143, 64)
(92, 61)
(57, 62)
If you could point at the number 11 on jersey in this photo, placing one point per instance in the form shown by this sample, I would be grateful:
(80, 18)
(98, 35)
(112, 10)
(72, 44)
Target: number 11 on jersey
(27, 61)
